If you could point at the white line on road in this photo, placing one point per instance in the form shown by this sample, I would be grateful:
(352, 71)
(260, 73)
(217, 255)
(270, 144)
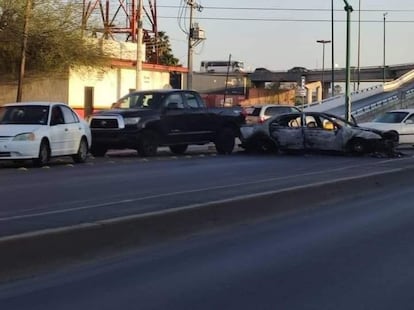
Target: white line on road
(126, 201)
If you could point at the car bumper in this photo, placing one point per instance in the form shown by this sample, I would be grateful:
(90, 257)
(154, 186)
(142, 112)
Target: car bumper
(15, 150)
(116, 138)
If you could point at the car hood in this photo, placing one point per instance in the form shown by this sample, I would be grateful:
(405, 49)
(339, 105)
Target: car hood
(126, 112)
(376, 125)
(11, 130)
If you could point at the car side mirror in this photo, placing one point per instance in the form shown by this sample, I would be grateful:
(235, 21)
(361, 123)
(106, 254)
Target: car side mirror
(409, 121)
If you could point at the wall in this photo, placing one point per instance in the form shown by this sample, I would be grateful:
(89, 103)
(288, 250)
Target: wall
(36, 89)
(110, 85)
(259, 96)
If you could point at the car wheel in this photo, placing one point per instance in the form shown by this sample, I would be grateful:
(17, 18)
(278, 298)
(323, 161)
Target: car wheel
(98, 150)
(178, 149)
(264, 145)
(82, 154)
(148, 144)
(358, 147)
(225, 141)
(44, 154)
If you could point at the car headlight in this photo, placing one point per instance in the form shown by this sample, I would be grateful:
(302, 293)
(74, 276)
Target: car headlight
(131, 120)
(28, 136)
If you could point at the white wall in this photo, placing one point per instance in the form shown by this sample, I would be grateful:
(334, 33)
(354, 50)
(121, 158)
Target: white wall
(110, 85)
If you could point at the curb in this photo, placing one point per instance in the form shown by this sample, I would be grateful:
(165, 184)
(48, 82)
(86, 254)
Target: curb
(26, 253)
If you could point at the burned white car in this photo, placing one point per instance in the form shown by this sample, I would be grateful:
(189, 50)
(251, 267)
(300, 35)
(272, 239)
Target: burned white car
(313, 131)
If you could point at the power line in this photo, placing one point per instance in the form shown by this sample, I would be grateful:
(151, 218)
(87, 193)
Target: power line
(288, 19)
(289, 9)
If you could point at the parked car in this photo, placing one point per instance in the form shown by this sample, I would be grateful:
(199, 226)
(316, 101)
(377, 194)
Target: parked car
(145, 120)
(313, 131)
(258, 114)
(298, 70)
(402, 121)
(41, 130)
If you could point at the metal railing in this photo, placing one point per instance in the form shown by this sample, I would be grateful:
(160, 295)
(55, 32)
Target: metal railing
(375, 106)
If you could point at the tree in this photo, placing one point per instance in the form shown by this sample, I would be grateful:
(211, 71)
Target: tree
(54, 41)
(165, 55)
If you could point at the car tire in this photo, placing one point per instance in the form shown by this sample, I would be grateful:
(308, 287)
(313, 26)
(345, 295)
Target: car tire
(358, 147)
(98, 150)
(82, 154)
(148, 144)
(264, 145)
(178, 149)
(225, 141)
(44, 154)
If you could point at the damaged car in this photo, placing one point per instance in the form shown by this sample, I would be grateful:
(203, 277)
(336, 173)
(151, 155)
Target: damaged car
(316, 131)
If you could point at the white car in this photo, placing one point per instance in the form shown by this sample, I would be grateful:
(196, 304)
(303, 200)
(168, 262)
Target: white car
(402, 121)
(41, 130)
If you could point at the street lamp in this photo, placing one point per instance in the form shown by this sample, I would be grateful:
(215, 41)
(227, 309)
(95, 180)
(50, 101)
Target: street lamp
(359, 43)
(383, 63)
(333, 49)
(348, 10)
(323, 42)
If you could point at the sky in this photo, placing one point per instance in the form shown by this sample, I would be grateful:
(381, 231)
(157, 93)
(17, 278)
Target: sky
(279, 35)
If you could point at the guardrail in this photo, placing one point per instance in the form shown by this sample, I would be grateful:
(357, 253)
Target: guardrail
(334, 102)
(383, 103)
(409, 93)
(375, 106)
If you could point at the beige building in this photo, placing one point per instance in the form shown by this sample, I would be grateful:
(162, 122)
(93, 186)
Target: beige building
(97, 89)
(87, 89)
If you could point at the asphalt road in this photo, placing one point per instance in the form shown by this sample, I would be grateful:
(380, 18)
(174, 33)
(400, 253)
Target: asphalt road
(66, 194)
(357, 254)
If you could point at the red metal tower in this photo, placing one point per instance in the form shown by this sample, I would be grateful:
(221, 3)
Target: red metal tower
(121, 17)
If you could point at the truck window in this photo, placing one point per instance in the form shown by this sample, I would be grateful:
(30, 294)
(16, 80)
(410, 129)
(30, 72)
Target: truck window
(174, 101)
(193, 101)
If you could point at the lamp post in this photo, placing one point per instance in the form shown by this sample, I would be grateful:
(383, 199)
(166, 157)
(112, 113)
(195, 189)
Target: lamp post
(323, 42)
(332, 49)
(348, 10)
(140, 56)
(359, 44)
(383, 62)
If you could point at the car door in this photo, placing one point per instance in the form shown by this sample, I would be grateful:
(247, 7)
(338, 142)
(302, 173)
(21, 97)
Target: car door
(57, 132)
(406, 130)
(287, 131)
(175, 119)
(202, 123)
(74, 130)
(321, 133)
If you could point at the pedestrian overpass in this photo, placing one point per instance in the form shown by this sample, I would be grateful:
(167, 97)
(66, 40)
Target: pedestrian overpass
(367, 103)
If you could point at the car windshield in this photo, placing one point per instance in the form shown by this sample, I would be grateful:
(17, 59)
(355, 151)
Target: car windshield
(24, 115)
(139, 100)
(340, 121)
(391, 117)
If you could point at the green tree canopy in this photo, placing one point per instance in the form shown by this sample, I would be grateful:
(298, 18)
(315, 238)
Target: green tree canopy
(165, 55)
(54, 40)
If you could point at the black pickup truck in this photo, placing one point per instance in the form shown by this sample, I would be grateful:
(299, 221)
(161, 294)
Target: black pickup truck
(145, 120)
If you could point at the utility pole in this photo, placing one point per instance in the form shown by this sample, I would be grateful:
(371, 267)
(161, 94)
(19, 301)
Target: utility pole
(323, 42)
(348, 108)
(24, 49)
(359, 44)
(194, 38)
(383, 63)
(138, 79)
(333, 48)
(227, 80)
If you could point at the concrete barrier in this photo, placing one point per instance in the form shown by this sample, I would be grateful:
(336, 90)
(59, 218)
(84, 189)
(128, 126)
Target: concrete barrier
(31, 252)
